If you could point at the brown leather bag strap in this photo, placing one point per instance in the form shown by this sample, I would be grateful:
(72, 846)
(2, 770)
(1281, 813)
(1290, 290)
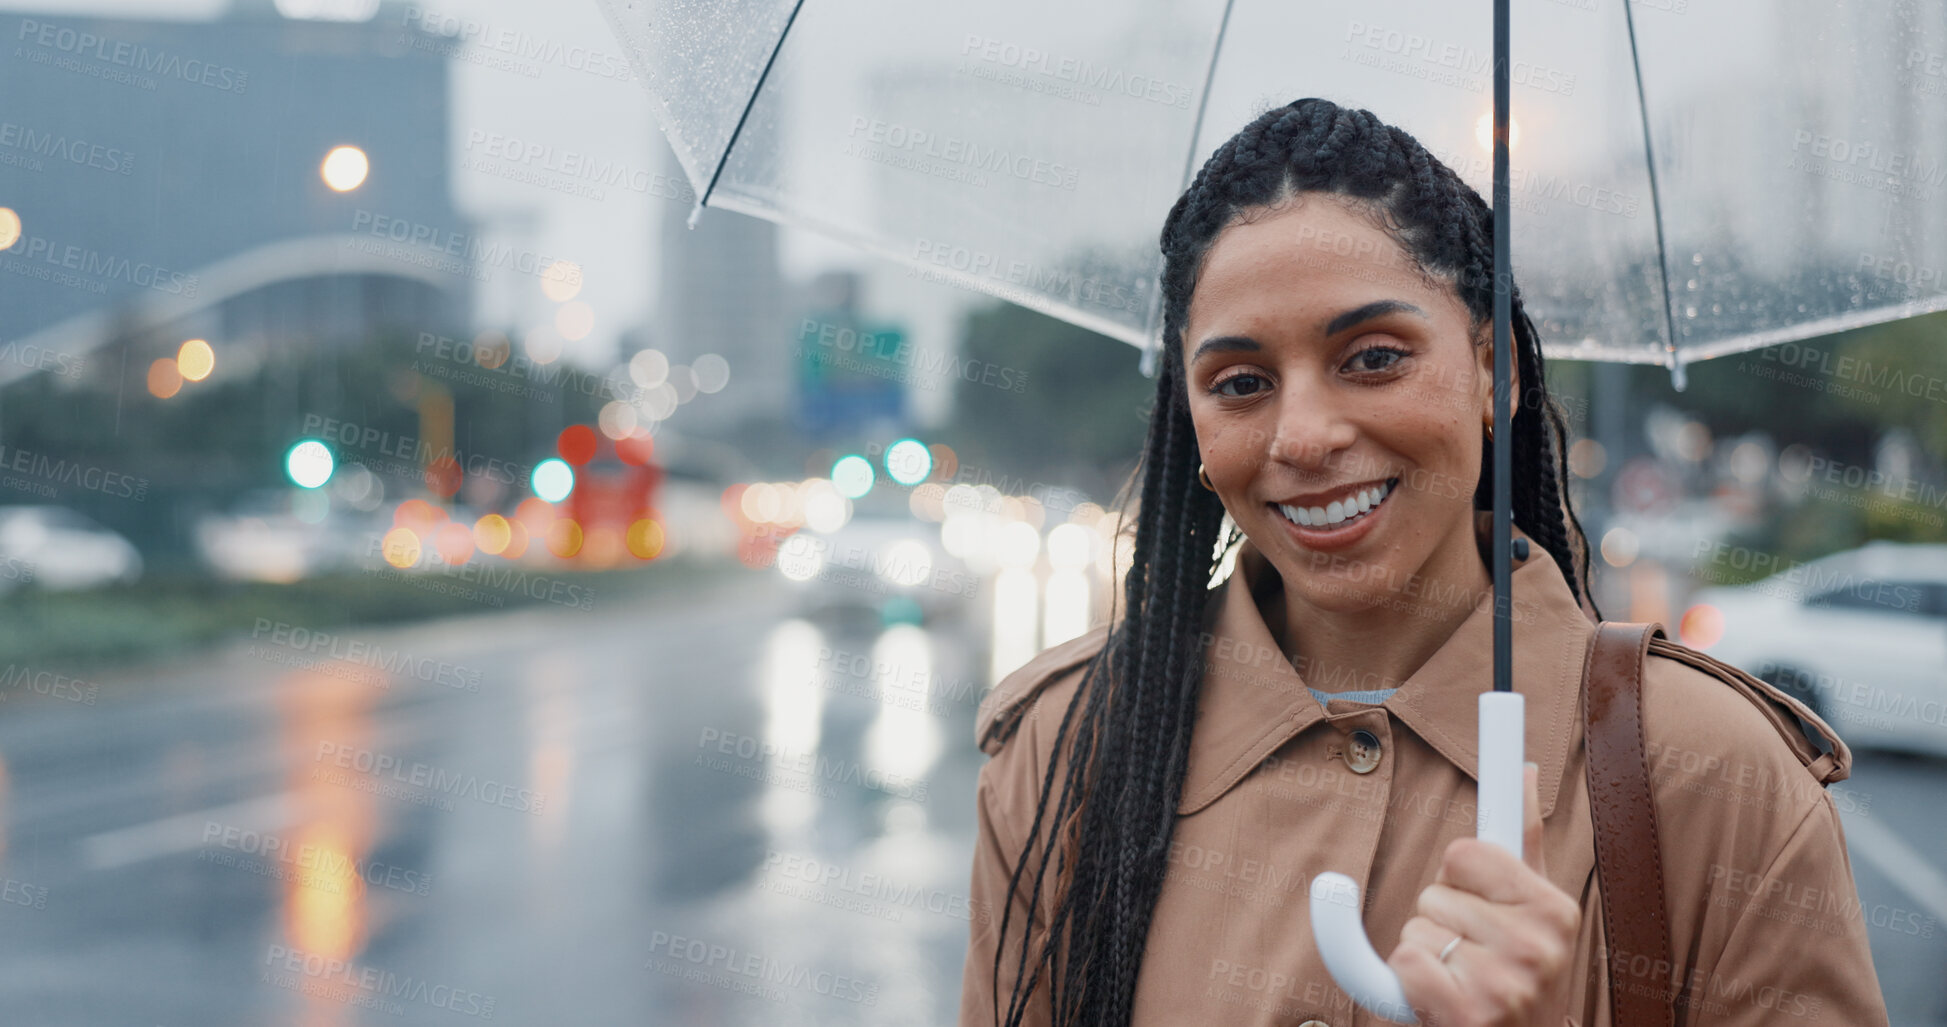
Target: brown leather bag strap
(1629, 864)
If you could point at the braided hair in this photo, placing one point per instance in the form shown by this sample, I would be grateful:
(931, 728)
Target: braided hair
(1115, 811)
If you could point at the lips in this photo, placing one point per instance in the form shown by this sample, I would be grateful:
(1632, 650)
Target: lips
(1339, 513)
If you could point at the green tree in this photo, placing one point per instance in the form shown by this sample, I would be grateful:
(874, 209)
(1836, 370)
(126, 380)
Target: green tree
(1079, 417)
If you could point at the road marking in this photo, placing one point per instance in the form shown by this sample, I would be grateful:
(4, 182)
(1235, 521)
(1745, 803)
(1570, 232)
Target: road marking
(184, 831)
(1899, 862)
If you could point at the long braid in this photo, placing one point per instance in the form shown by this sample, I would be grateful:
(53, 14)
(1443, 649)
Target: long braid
(1123, 744)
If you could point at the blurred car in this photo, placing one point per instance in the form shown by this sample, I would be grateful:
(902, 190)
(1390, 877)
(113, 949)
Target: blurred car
(894, 566)
(263, 538)
(58, 548)
(1859, 636)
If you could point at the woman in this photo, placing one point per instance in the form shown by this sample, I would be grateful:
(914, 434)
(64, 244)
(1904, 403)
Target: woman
(1327, 383)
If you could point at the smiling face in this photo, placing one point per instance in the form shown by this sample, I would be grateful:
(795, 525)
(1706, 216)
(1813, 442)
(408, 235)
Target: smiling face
(1326, 372)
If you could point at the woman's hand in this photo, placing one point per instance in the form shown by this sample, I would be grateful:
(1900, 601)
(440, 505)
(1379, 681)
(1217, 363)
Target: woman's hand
(1517, 933)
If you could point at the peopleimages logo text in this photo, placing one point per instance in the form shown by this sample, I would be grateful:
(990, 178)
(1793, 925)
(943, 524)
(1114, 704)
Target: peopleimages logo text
(121, 53)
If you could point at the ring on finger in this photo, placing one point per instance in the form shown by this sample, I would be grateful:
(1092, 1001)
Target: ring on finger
(1448, 951)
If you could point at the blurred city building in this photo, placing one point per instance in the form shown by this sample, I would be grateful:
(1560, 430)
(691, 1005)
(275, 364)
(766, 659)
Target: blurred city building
(721, 291)
(246, 107)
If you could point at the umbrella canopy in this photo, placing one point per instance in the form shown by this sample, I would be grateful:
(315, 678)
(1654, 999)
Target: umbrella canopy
(1683, 184)
(1712, 178)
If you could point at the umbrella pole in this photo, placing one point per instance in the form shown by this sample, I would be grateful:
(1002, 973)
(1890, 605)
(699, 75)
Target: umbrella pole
(1503, 355)
(1502, 716)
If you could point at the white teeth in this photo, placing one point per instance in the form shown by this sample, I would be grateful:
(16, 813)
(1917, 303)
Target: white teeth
(1338, 511)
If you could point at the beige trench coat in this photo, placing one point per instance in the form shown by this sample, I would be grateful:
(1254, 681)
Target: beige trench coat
(1765, 921)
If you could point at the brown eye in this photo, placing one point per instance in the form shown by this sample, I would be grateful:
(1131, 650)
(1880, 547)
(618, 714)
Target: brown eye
(1359, 358)
(1251, 384)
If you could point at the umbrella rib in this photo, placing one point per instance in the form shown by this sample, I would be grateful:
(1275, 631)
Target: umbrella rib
(1151, 353)
(723, 159)
(1656, 209)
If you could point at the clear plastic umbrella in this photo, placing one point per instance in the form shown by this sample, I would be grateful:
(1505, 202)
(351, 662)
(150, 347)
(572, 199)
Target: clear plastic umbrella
(1714, 178)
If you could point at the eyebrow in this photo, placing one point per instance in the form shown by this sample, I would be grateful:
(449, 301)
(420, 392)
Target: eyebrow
(1339, 323)
(1377, 308)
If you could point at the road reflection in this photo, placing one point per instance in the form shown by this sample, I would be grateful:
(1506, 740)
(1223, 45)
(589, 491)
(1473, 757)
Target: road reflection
(323, 909)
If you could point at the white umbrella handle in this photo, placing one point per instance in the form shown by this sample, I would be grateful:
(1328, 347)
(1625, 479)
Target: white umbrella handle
(1341, 936)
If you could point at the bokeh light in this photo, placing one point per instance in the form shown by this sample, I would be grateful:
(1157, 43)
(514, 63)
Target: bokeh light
(1619, 547)
(759, 503)
(576, 444)
(1018, 545)
(195, 360)
(345, 168)
(1484, 132)
(1702, 626)
(574, 320)
(542, 343)
(536, 513)
(908, 461)
(825, 511)
(945, 460)
(906, 562)
(1587, 458)
(453, 542)
(712, 373)
(852, 475)
(645, 539)
(561, 282)
(517, 536)
(1750, 462)
(1693, 442)
(682, 379)
(800, 558)
(925, 502)
(617, 419)
(164, 379)
(401, 547)
(309, 463)
(564, 537)
(492, 533)
(649, 368)
(359, 487)
(418, 516)
(553, 480)
(9, 228)
(1070, 546)
(491, 349)
(443, 476)
(659, 401)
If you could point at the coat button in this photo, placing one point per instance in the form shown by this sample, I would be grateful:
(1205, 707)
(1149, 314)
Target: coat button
(1362, 753)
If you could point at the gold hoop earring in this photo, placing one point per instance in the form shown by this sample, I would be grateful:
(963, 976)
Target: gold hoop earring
(1205, 478)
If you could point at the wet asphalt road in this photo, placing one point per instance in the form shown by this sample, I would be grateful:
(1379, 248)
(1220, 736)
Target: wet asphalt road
(692, 809)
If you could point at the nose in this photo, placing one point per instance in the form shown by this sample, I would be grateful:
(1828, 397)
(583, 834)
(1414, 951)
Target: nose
(1314, 428)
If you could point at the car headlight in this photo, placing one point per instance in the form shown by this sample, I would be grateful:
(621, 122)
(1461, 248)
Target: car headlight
(800, 558)
(905, 563)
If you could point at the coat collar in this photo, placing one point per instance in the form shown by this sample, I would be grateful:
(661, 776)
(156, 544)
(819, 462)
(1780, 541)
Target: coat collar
(1252, 700)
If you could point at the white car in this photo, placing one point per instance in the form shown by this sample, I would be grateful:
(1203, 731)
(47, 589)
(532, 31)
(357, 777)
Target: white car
(884, 564)
(1859, 636)
(58, 549)
(262, 538)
